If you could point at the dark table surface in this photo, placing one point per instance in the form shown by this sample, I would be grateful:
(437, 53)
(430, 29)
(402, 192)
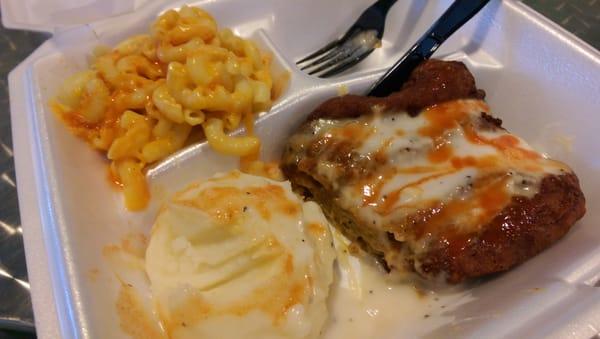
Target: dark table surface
(582, 17)
(15, 303)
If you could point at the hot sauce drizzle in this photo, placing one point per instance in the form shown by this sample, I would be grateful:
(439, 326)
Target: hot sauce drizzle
(475, 200)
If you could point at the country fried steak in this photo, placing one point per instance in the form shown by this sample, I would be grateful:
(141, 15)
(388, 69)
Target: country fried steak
(428, 180)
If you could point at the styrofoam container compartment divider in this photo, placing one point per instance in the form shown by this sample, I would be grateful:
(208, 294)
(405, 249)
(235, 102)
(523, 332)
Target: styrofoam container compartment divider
(542, 81)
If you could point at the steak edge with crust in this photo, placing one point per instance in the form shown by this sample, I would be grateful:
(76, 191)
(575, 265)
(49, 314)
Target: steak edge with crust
(429, 181)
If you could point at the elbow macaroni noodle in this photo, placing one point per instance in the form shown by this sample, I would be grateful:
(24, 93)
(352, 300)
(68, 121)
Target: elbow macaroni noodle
(141, 101)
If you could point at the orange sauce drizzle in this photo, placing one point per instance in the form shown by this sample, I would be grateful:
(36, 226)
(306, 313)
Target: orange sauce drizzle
(274, 298)
(441, 118)
(224, 204)
(484, 162)
(488, 193)
(316, 229)
(389, 202)
(489, 198)
(355, 131)
(370, 187)
(249, 118)
(113, 178)
(380, 155)
(441, 152)
(507, 144)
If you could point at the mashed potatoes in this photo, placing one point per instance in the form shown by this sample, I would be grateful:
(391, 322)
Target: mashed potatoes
(240, 256)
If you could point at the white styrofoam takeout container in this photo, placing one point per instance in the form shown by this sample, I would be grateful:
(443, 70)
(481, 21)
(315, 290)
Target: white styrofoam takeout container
(542, 81)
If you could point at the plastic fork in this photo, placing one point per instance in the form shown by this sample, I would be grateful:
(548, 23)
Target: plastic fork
(459, 12)
(352, 47)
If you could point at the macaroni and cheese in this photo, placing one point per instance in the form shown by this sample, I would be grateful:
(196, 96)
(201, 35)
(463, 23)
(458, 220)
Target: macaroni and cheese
(141, 101)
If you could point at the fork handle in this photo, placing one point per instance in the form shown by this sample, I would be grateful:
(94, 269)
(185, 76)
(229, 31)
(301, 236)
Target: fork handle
(459, 12)
(384, 5)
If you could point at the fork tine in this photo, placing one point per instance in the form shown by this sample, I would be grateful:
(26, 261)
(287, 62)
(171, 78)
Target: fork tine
(346, 64)
(371, 20)
(340, 41)
(329, 55)
(334, 60)
(321, 51)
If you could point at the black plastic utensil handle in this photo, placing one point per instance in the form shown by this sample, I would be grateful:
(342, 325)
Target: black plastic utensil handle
(459, 12)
